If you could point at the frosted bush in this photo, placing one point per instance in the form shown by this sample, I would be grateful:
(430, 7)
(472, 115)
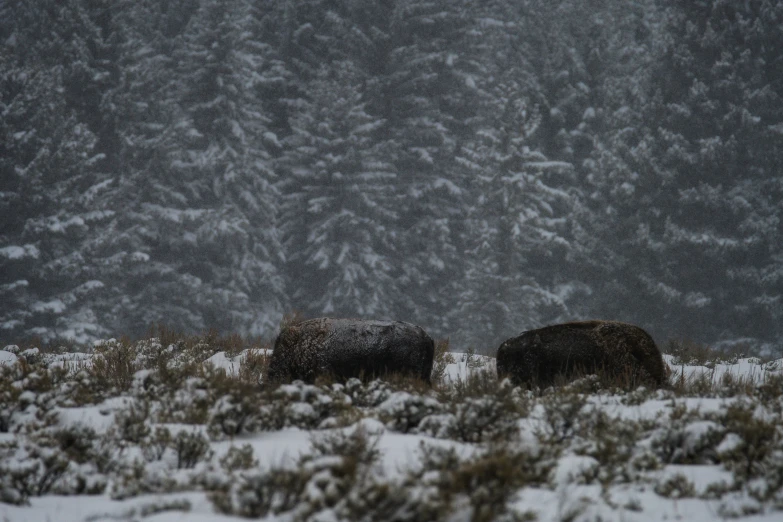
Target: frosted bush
(113, 366)
(480, 419)
(138, 478)
(132, 424)
(239, 458)
(367, 395)
(675, 486)
(26, 393)
(30, 469)
(684, 441)
(439, 425)
(150, 352)
(230, 416)
(320, 483)
(611, 443)
(751, 443)
(305, 406)
(404, 411)
(191, 447)
(561, 414)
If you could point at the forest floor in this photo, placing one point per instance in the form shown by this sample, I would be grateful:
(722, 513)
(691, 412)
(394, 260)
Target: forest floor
(182, 429)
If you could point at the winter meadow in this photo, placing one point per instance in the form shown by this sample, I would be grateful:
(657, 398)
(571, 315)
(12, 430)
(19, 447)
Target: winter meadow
(179, 179)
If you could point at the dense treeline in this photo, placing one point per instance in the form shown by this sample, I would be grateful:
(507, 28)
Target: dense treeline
(478, 168)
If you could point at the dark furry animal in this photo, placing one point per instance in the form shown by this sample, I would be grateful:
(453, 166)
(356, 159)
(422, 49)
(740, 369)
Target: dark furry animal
(345, 348)
(565, 351)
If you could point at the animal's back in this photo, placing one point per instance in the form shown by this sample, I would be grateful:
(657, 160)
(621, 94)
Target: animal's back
(346, 348)
(538, 357)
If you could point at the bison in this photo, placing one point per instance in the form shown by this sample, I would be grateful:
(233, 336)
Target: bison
(345, 348)
(565, 351)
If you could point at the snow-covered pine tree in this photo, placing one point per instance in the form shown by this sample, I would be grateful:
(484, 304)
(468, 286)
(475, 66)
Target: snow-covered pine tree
(698, 182)
(49, 159)
(422, 71)
(205, 214)
(517, 273)
(606, 56)
(341, 204)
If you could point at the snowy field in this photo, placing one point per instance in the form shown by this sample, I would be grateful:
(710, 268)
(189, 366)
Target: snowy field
(143, 432)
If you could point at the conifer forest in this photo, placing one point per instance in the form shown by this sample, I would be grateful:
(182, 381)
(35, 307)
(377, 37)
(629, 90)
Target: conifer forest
(475, 167)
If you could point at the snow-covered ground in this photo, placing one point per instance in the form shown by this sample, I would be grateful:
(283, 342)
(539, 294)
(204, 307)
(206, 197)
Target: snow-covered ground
(595, 455)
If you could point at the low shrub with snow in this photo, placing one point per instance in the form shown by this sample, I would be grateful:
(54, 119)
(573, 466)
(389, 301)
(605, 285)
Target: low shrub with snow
(191, 419)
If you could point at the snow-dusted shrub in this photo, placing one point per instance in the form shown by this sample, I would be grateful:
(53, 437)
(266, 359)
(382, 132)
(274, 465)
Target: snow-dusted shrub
(442, 358)
(562, 409)
(173, 364)
(481, 408)
(367, 395)
(187, 448)
(404, 411)
(752, 439)
(190, 402)
(232, 415)
(32, 356)
(253, 366)
(76, 442)
(687, 440)
(88, 456)
(184, 358)
(247, 408)
(241, 458)
(132, 424)
(306, 406)
(489, 482)
(472, 360)
(340, 461)
(260, 493)
(26, 390)
(139, 478)
(491, 417)
(180, 353)
(81, 479)
(592, 384)
(643, 461)
(185, 399)
(156, 443)
(113, 366)
(29, 469)
(151, 353)
(438, 425)
(675, 486)
(79, 390)
(321, 482)
(610, 442)
(176, 358)
(9, 398)
(482, 484)
(191, 447)
(770, 392)
(638, 396)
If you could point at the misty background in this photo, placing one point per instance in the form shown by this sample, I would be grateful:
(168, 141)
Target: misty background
(477, 168)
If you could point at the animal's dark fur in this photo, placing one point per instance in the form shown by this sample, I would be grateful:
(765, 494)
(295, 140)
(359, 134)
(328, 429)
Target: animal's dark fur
(565, 351)
(344, 348)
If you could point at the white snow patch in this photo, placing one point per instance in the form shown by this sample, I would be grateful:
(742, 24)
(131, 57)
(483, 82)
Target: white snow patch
(55, 306)
(16, 252)
(8, 358)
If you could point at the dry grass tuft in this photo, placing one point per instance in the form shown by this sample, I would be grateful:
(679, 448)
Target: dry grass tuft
(441, 360)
